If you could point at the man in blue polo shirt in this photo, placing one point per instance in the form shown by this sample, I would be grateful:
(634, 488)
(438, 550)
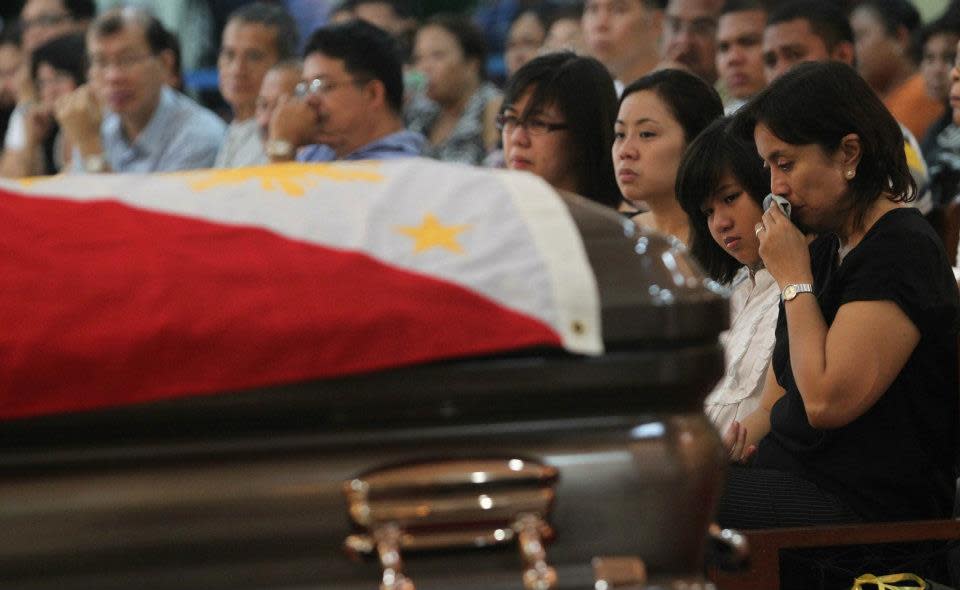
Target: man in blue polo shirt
(148, 127)
(349, 105)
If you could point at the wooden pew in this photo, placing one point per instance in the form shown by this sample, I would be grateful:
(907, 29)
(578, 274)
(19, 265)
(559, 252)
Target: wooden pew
(763, 571)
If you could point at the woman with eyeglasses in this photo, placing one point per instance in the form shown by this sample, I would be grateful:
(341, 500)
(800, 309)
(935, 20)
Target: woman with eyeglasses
(660, 114)
(557, 122)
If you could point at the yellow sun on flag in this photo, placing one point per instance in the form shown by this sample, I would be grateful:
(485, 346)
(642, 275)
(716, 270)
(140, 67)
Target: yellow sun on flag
(433, 234)
(292, 178)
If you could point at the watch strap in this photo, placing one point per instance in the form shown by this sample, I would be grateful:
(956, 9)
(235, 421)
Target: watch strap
(94, 163)
(790, 292)
(279, 148)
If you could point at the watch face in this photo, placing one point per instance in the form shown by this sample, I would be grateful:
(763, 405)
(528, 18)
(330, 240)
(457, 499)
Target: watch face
(790, 292)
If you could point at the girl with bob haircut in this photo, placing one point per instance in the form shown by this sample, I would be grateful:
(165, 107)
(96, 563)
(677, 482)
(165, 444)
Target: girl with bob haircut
(858, 417)
(721, 186)
(557, 122)
(660, 114)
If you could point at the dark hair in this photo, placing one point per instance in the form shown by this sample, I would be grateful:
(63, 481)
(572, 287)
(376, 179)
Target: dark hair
(582, 89)
(116, 20)
(948, 24)
(172, 43)
(827, 19)
(271, 15)
(366, 51)
(893, 14)
(731, 6)
(10, 34)
(819, 104)
(712, 154)
(470, 38)
(66, 53)
(401, 8)
(691, 101)
(80, 9)
(563, 12)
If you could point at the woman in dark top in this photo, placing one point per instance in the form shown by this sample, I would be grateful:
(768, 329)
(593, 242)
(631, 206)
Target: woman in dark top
(860, 410)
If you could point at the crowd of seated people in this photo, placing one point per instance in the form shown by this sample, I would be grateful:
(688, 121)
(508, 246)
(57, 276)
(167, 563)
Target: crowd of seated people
(844, 316)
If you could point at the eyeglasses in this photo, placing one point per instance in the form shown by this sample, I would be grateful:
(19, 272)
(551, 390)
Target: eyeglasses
(125, 62)
(533, 125)
(322, 86)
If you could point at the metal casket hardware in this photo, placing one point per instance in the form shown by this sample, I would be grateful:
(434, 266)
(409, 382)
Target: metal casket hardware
(453, 504)
(619, 573)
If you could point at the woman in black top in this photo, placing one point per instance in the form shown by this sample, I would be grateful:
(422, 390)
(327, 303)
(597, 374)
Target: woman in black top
(860, 410)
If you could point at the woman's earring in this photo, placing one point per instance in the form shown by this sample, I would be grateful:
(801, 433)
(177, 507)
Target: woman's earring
(850, 174)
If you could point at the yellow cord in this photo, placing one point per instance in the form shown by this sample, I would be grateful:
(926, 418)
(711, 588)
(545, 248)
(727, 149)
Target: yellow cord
(887, 582)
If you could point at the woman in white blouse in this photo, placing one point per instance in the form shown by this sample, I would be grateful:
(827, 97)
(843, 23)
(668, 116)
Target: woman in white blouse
(721, 186)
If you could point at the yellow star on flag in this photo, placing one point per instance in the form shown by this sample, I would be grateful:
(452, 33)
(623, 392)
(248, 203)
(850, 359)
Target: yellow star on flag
(433, 234)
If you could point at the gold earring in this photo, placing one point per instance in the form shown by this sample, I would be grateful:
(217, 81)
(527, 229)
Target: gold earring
(851, 174)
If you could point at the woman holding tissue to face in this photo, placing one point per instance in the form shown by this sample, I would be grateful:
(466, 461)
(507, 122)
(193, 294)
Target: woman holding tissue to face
(859, 412)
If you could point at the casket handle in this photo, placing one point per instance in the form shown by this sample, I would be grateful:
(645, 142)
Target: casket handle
(454, 504)
(537, 575)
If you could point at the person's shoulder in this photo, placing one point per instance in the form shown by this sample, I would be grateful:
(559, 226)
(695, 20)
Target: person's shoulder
(489, 91)
(420, 112)
(902, 222)
(197, 120)
(901, 241)
(400, 144)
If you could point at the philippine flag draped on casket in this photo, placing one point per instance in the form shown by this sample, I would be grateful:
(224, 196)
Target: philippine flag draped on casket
(122, 289)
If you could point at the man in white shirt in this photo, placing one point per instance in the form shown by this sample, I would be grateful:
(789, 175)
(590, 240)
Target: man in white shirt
(256, 37)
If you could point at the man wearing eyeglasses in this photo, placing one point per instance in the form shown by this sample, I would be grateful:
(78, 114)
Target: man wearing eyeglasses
(349, 104)
(148, 127)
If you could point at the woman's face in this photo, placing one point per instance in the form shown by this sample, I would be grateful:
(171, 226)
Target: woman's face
(52, 84)
(813, 180)
(438, 54)
(731, 216)
(955, 90)
(647, 147)
(523, 42)
(547, 153)
(564, 35)
(939, 53)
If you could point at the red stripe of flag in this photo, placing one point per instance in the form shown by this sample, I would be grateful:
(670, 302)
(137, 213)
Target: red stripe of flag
(102, 304)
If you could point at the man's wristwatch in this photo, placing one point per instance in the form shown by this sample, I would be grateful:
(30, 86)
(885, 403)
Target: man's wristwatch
(279, 148)
(790, 292)
(94, 163)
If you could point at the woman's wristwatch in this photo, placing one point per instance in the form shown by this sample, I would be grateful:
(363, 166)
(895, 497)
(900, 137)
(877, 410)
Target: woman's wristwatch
(790, 292)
